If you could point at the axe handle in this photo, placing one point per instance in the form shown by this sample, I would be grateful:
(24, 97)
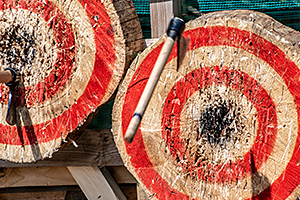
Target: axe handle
(148, 91)
(5, 76)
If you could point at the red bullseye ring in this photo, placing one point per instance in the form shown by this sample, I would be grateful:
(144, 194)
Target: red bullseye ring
(217, 36)
(255, 93)
(101, 67)
(66, 49)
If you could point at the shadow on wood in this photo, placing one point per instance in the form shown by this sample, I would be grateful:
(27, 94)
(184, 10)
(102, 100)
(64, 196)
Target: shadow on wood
(95, 148)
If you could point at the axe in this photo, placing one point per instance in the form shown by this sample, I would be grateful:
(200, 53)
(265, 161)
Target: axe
(174, 32)
(14, 76)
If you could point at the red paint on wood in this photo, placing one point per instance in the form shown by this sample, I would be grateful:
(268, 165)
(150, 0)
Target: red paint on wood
(252, 90)
(93, 94)
(289, 180)
(64, 36)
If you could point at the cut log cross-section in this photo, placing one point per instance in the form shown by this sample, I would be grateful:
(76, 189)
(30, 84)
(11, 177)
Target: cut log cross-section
(72, 55)
(226, 125)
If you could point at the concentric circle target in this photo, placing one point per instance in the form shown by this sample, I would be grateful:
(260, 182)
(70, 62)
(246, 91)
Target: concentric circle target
(226, 125)
(72, 56)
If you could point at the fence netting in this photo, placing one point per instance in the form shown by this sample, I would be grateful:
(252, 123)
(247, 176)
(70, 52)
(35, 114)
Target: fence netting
(285, 11)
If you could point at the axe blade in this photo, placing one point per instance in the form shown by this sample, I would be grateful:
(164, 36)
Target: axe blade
(182, 47)
(11, 110)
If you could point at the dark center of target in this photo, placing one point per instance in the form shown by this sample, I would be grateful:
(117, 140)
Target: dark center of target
(17, 47)
(42, 47)
(219, 122)
(143, 169)
(209, 138)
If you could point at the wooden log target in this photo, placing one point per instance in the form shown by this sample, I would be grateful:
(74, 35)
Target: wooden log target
(72, 55)
(226, 125)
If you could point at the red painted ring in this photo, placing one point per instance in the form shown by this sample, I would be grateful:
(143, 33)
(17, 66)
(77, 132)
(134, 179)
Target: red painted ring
(212, 36)
(252, 90)
(93, 94)
(64, 36)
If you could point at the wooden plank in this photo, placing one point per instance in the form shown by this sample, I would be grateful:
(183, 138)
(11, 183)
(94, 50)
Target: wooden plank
(161, 12)
(177, 8)
(95, 148)
(121, 175)
(93, 183)
(57, 195)
(112, 183)
(129, 191)
(35, 176)
(141, 194)
(72, 192)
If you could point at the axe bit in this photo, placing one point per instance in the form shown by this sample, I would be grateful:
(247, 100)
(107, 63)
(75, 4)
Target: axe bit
(174, 32)
(11, 109)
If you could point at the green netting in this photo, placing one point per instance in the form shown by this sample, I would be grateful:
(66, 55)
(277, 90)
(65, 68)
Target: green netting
(285, 11)
(142, 7)
(103, 119)
(289, 18)
(215, 5)
(145, 24)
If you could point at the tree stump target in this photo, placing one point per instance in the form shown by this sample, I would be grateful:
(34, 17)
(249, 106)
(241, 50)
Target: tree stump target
(226, 125)
(72, 55)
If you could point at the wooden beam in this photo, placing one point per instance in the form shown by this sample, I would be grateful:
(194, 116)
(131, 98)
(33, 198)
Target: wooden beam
(177, 4)
(161, 12)
(58, 195)
(70, 192)
(121, 175)
(141, 194)
(95, 148)
(35, 176)
(93, 183)
(53, 176)
(112, 183)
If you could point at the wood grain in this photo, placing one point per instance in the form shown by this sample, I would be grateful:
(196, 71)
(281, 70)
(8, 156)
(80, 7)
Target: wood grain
(121, 175)
(92, 182)
(131, 27)
(161, 12)
(95, 148)
(141, 194)
(58, 195)
(71, 63)
(36, 176)
(113, 185)
(53, 176)
(225, 126)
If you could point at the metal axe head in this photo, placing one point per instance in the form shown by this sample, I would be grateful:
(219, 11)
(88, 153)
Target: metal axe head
(182, 47)
(175, 30)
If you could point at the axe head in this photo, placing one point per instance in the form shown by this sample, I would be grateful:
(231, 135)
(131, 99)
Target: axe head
(175, 30)
(182, 47)
(11, 110)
